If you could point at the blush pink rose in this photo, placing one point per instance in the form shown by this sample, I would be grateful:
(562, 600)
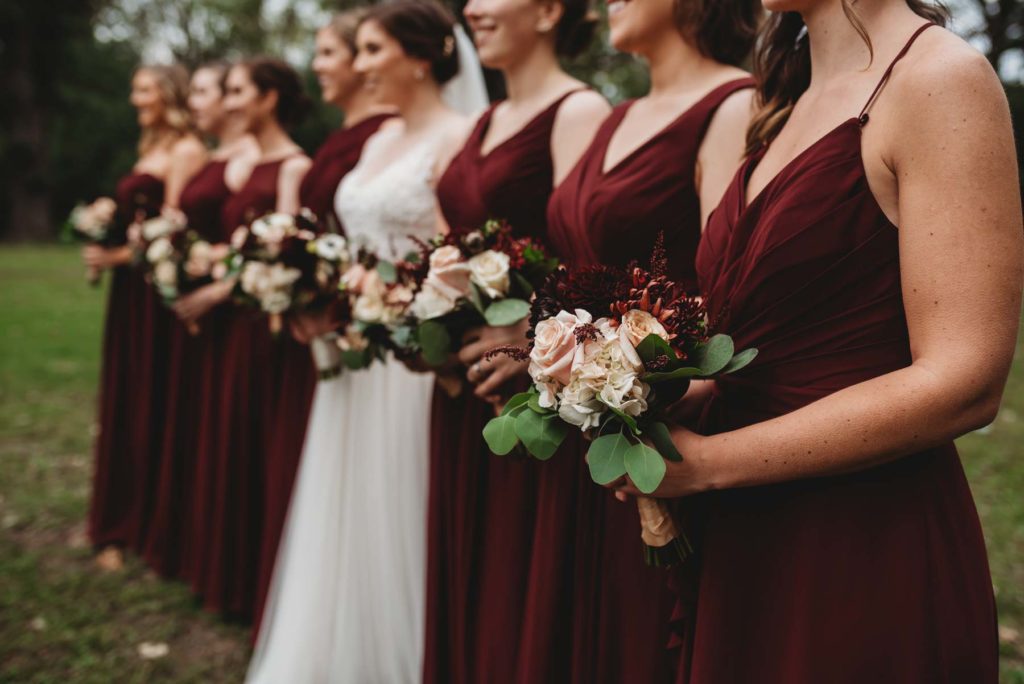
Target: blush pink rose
(554, 346)
(449, 272)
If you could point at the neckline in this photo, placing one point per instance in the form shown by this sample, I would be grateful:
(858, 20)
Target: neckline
(607, 171)
(147, 174)
(489, 115)
(755, 160)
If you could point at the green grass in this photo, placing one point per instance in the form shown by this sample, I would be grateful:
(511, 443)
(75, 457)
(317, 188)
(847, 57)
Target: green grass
(61, 620)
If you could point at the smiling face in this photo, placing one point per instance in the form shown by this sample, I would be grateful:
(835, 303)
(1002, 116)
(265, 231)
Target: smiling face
(387, 71)
(333, 66)
(243, 100)
(506, 30)
(147, 99)
(635, 24)
(206, 100)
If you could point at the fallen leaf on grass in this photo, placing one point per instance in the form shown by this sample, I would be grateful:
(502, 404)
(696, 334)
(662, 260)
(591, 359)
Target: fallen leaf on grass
(149, 650)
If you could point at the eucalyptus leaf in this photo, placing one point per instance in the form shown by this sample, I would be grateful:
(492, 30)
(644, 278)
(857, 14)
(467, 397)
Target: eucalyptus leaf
(387, 272)
(659, 435)
(715, 354)
(653, 346)
(645, 466)
(356, 360)
(506, 312)
(629, 420)
(476, 298)
(741, 360)
(666, 376)
(435, 342)
(515, 401)
(535, 405)
(500, 435)
(606, 458)
(540, 436)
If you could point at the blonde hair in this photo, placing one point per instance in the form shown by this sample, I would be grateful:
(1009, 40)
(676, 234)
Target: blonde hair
(172, 82)
(345, 24)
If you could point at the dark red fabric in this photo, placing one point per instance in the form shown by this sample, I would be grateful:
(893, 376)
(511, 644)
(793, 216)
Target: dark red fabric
(622, 606)
(498, 600)
(293, 362)
(130, 387)
(234, 433)
(878, 576)
(169, 540)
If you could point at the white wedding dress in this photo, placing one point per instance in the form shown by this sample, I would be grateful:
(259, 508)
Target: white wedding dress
(346, 603)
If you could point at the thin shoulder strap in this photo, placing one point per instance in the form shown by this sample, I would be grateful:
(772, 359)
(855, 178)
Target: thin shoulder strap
(705, 109)
(863, 116)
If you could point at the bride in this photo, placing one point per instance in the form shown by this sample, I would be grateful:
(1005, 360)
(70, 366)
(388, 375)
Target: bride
(347, 599)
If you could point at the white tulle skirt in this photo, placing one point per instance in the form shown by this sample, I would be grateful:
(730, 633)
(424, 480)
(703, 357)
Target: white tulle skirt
(346, 604)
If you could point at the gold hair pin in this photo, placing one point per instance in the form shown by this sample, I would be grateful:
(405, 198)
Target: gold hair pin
(449, 45)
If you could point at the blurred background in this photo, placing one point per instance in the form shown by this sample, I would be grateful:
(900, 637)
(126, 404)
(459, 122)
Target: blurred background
(67, 133)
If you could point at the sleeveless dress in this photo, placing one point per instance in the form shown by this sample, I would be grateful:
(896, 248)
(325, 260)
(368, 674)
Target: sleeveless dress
(227, 522)
(622, 606)
(292, 360)
(346, 602)
(169, 539)
(123, 447)
(482, 508)
(875, 576)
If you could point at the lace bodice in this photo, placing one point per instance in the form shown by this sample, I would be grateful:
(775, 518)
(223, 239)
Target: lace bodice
(393, 204)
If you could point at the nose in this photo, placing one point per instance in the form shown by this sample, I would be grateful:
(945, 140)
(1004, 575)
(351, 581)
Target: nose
(360, 65)
(470, 10)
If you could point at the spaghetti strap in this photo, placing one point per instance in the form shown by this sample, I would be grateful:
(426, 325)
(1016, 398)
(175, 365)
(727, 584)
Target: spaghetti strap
(863, 117)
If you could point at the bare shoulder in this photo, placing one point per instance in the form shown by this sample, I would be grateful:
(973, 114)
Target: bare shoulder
(733, 115)
(943, 75)
(583, 107)
(188, 149)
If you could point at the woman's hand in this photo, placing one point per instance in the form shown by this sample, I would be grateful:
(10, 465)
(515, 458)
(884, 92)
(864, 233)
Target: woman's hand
(193, 306)
(102, 258)
(308, 325)
(489, 375)
(692, 475)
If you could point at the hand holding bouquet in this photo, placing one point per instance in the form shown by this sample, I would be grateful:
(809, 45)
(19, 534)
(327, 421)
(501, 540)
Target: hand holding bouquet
(612, 349)
(91, 224)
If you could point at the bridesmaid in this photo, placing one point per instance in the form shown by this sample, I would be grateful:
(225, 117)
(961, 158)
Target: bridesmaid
(871, 248)
(482, 516)
(266, 96)
(170, 541)
(132, 384)
(342, 87)
(657, 166)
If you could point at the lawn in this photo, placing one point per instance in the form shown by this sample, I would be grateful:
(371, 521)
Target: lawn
(62, 620)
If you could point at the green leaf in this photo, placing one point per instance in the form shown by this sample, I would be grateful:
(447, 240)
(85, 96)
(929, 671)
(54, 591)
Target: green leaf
(658, 433)
(666, 376)
(402, 336)
(506, 312)
(539, 434)
(356, 360)
(500, 435)
(606, 458)
(523, 285)
(515, 401)
(476, 298)
(630, 421)
(645, 466)
(435, 342)
(535, 404)
(714, 355)
(741, 360)
(652, 346)
(387, 271)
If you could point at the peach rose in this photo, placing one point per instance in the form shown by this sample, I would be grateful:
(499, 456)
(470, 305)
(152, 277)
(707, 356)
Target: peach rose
(639, 324)
(449, 272)
(554, 346)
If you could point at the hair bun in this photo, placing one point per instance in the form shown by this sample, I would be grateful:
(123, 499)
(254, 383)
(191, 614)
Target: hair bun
(425, 29)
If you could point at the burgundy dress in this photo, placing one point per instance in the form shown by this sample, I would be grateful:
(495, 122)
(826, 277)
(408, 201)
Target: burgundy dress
(125, 446)
(482, 514)
(169, 539)
(878, 576)
(234, 434)
(622, 606)
(297, 374)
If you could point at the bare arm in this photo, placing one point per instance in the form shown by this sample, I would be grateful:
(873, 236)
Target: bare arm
(721, 151)
(962, 267)
(292, 172)
(577, 121)
(187, 157)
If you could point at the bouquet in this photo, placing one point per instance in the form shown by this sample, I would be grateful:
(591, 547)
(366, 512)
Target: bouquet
(91, 223)
(486, 276)
(160, 245)
(611, 349)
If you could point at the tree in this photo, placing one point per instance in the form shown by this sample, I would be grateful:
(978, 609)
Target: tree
(1001, 26)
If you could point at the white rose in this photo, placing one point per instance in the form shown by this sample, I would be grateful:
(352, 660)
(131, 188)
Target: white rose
(331, 247)
(368, 308)
(431, 302)
(580, 406)
(158, 227)
(159, 250)
(103, 210)
(253, 278)
(489, 271)
(166, 274)
(275, 302)
(200, 259)
(639, 324)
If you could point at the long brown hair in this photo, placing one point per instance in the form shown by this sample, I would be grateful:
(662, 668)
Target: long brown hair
(172, 82)
(782, 66)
